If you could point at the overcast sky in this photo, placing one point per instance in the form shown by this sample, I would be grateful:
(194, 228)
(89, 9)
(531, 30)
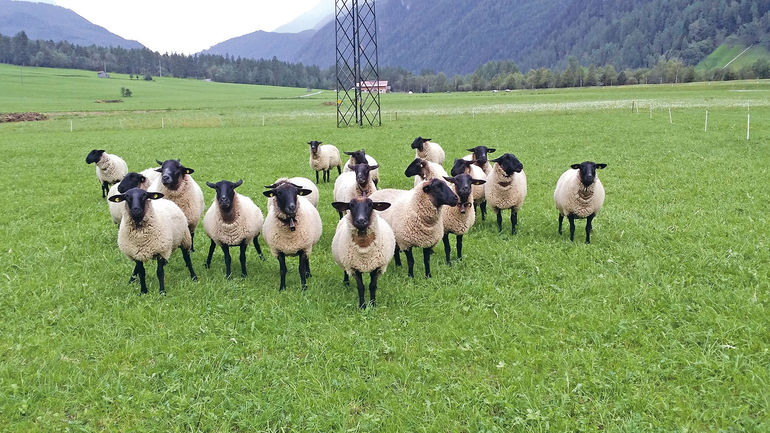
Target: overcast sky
(186, 26)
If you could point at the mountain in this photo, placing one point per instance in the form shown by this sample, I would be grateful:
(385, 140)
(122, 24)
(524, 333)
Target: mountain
(456, 36)
(314, 19)
(49, 22)
(264, 45)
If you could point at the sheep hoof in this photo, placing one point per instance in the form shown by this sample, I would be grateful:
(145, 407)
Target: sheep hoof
(162, 293)
(207, 265)
(243, 275)
(194, 278)
(229, 276)
(261, 257)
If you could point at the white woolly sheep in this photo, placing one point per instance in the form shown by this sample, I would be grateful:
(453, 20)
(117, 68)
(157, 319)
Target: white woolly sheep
(423, 169)
(356, 183)
(322, 158)
(466, 166)
(363, 242)
(152, 227)
(307, 184)
(579, 194)
(360, 157)
(176, 184)
(233, 219)
(459, 219)
(426, 149)
(416, 220)
(110, 168)
(130, 180)
(506, 188)
(292, 227)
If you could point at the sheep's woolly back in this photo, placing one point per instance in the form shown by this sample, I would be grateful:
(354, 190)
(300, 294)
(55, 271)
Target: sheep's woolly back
(110, 168)
(432, 152)
(374, 174)
(363, 253)
(456, 222)
(505, 192)
(115, 208)
(346, 188)
(327, 157)
(245, 225)
(486, 168)
(304, 183)
(281, 239)
(571, 197)
(163, 229)
(388, 195)
(432, 171)
(188, 196)
(151, 174)
(414, 220)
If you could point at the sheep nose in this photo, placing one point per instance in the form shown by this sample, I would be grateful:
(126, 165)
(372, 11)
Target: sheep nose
(291, 208)
(166, 178)
(360, 222)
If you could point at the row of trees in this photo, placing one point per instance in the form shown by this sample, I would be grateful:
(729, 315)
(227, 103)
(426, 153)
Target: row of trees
(495, 75)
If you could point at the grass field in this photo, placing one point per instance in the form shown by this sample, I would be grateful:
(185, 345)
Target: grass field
(725, 53)
(660, 325)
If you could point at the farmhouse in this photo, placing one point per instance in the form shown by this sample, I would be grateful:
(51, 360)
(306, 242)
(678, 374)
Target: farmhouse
(102, 74)
(378, 86)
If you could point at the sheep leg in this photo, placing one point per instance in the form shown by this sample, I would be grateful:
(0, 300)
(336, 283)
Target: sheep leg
(409, 262)
(459, 247)
(514, 220)
(373, 276)
(499, 220)
(243, 258)
(161, 275)
(447, 249)
(571, 218)
(345, 278)
(259, 250)
(589, 227)
(188, 263)
(105, 189)
(140, 271)
(226, 250)
(561, 218)
(339, 170)
(426, 252)
(303, 266)
(316, 176)
(212, 247)
(192, 240)
(361, 290)
(282, 265)
(397, 256)
(483, 206)
(134, 274)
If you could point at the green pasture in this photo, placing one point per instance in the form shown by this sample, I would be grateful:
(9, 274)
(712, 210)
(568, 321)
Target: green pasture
(659, 325)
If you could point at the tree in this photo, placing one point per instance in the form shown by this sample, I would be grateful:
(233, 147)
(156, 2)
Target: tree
(761, 68)
(19, 48)
(609, 76)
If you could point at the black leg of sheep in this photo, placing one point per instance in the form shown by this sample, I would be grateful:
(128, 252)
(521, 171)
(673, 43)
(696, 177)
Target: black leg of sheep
(134, 274)
(140, 271)
(345, 279)
(304, 269)
(243, 258)
(589, 227)
(373, 276)
(212, 247)
(499, 220)
(561, 219)
(361, 289)
(397, 256)
(192, 240)
(426, 252)
(259, 250)
(409, 262)
(571, 218)
(514, 220)
(459, 247)
(339, 170)
(105, 189)
(447, 249)
(483, 207)
(316, 176)
(188, 263)
(161, 276)
(282, 266)
(226, 251)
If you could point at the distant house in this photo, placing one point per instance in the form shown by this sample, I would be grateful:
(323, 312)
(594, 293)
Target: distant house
(378, 86)
(102, 74)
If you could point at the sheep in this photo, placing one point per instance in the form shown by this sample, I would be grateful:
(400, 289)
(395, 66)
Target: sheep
(363, 242)
(130, 180)
(292, 227)
(152, 227)
(176, 185)
(304, 183)
(360, 157)
(356, 183)
(506, 188)
(423, 169)
(110, 168)
(459, 219)
(579, 194)
(416, 220)
(467, 166)
(324, 157)
(479, 157)
(233, 219)
(426, 149)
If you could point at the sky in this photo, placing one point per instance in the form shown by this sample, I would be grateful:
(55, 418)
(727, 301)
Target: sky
(186, 26)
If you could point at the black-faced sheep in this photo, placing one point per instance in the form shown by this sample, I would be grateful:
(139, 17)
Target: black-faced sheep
(151, 227)
(579, 194)
(233, 219)
(322, 158)
(355, 183)
(176, 184)
(422, 170)
(360, 157)
(459, 219)
(110, 168)
(363, 242)
(479, 156)
(130, 180)
(469, 167)
(506, 188)
(426, 149)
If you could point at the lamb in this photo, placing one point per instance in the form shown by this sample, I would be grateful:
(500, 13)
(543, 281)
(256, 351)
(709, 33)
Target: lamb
(176, 185)
(360, 157)
(356, 183)
(423, 169)
(479, 157)
(292, 227)
(426, 149)
(151, 227)
(459, 219)
(363, 242)
(467, 166)
(579, 194)
(130, 180)
(233, 219)
(506, 188)
(323, 158)
(110, 168)
(416, 220)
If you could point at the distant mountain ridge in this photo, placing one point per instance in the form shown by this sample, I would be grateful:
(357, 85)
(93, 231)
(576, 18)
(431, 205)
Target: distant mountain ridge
(49, 22)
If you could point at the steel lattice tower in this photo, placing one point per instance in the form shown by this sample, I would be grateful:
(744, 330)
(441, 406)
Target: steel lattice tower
(357, 63)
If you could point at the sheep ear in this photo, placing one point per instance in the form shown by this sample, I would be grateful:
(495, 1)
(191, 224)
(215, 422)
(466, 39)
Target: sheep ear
(380, 205)
(449, 179)
(374, 167)
(471, 150)
(159, 170)
(159, 162)
(117, 198)
(426, 188)
(575, 166)
(154, 195)
(425, 140)
(211, 185)
(341, 206)
(271, 186)
(352, 166)
(602, 165)
(303, 191)
(495, 160)
(348, 153)
(237, 184)
(142, 179)
(189, 170)
(491, 150)
(478, 181)
(270, 193)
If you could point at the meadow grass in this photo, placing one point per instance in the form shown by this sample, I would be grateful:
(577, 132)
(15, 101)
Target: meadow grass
(661, 324)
